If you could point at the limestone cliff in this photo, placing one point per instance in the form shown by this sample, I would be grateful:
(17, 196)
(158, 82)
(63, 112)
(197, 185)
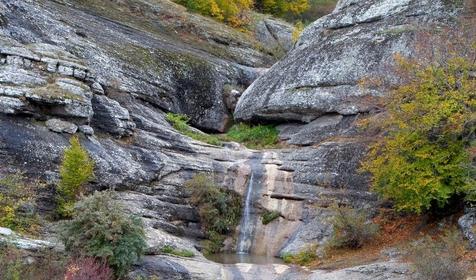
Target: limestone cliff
(110, 70)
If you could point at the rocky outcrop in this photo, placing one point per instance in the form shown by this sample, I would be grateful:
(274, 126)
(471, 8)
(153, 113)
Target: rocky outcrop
(182, 268)
(275, 34)
(467, 224)
(157, 52)
(323, 74)
(8, 237)
(109, 71)
(381, 271)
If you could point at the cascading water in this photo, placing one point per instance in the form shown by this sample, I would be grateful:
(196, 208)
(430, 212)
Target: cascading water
(249, 220)
(246, 228)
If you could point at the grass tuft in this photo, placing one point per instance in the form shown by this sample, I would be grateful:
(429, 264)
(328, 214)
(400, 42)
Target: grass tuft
(176, 252)
(180, 123)
(254, 137)
(304, 257)
(269, 216)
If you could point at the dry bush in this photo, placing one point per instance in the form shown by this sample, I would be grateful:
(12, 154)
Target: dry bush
(88, 268)
(352, 229)
(440, 259)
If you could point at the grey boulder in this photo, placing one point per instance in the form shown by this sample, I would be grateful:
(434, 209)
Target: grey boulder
(60, 126)
(324, 72)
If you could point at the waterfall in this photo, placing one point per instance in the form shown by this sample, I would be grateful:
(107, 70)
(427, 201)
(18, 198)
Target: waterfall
(246, 228)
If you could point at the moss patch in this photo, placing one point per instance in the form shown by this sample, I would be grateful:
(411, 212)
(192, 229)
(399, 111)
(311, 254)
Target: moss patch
(269, 216)
(180, 123)
(55, 92)
(176, 252)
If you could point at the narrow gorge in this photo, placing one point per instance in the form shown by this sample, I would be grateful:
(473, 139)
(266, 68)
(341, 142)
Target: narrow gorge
(109, 71)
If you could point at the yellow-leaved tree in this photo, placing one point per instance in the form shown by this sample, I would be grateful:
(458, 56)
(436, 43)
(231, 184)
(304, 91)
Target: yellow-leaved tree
(283, 7)
(232, 12)
(424, 157)
(76, 169)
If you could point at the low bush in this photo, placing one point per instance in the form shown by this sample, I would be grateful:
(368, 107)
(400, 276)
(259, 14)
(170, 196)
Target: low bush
(269, 216)
(17, 203)
(76, 169)
(440, 259)
(304, 257)
(297, 30)
(88, 268)
(219, 209)
(255, 137)
(180, 123)
(351, 228)
(100, 228)
(14, 265)
(176, 252)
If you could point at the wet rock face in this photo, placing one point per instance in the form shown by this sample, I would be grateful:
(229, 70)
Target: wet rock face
(322, 74)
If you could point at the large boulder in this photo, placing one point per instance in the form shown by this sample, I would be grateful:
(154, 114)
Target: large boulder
(275, 34)
(154, 51)
(324, 72)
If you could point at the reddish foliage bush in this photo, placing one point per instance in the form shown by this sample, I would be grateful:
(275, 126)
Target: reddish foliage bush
(88, 269)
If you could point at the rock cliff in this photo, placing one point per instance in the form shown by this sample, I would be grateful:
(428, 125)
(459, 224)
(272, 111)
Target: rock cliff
(324, 72)
(110, 70)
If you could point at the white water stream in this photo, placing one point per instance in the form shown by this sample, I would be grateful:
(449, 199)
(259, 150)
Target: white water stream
(246, 228)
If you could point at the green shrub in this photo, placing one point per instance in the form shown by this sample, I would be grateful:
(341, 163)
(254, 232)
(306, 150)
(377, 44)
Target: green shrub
(269, 216)
(176, 252)
(304, 257)
(256, 137)
(423, 159)
(99, 228)
(76, 169)
(441, 258)
(180, 123)
(219, 209)
(351, 228)
(14, 195)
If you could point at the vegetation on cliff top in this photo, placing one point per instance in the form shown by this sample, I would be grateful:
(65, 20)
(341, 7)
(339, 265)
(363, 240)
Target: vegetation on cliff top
(237, 13)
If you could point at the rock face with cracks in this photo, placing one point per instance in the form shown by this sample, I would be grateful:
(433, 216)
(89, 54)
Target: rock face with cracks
(109, 71)
(324, 72)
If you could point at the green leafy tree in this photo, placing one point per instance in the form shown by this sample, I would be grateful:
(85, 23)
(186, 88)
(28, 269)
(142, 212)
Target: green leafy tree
(76, 169)
(100, 228)
(423, 159)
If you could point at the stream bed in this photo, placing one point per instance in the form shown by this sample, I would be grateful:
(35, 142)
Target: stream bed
(232, 258)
